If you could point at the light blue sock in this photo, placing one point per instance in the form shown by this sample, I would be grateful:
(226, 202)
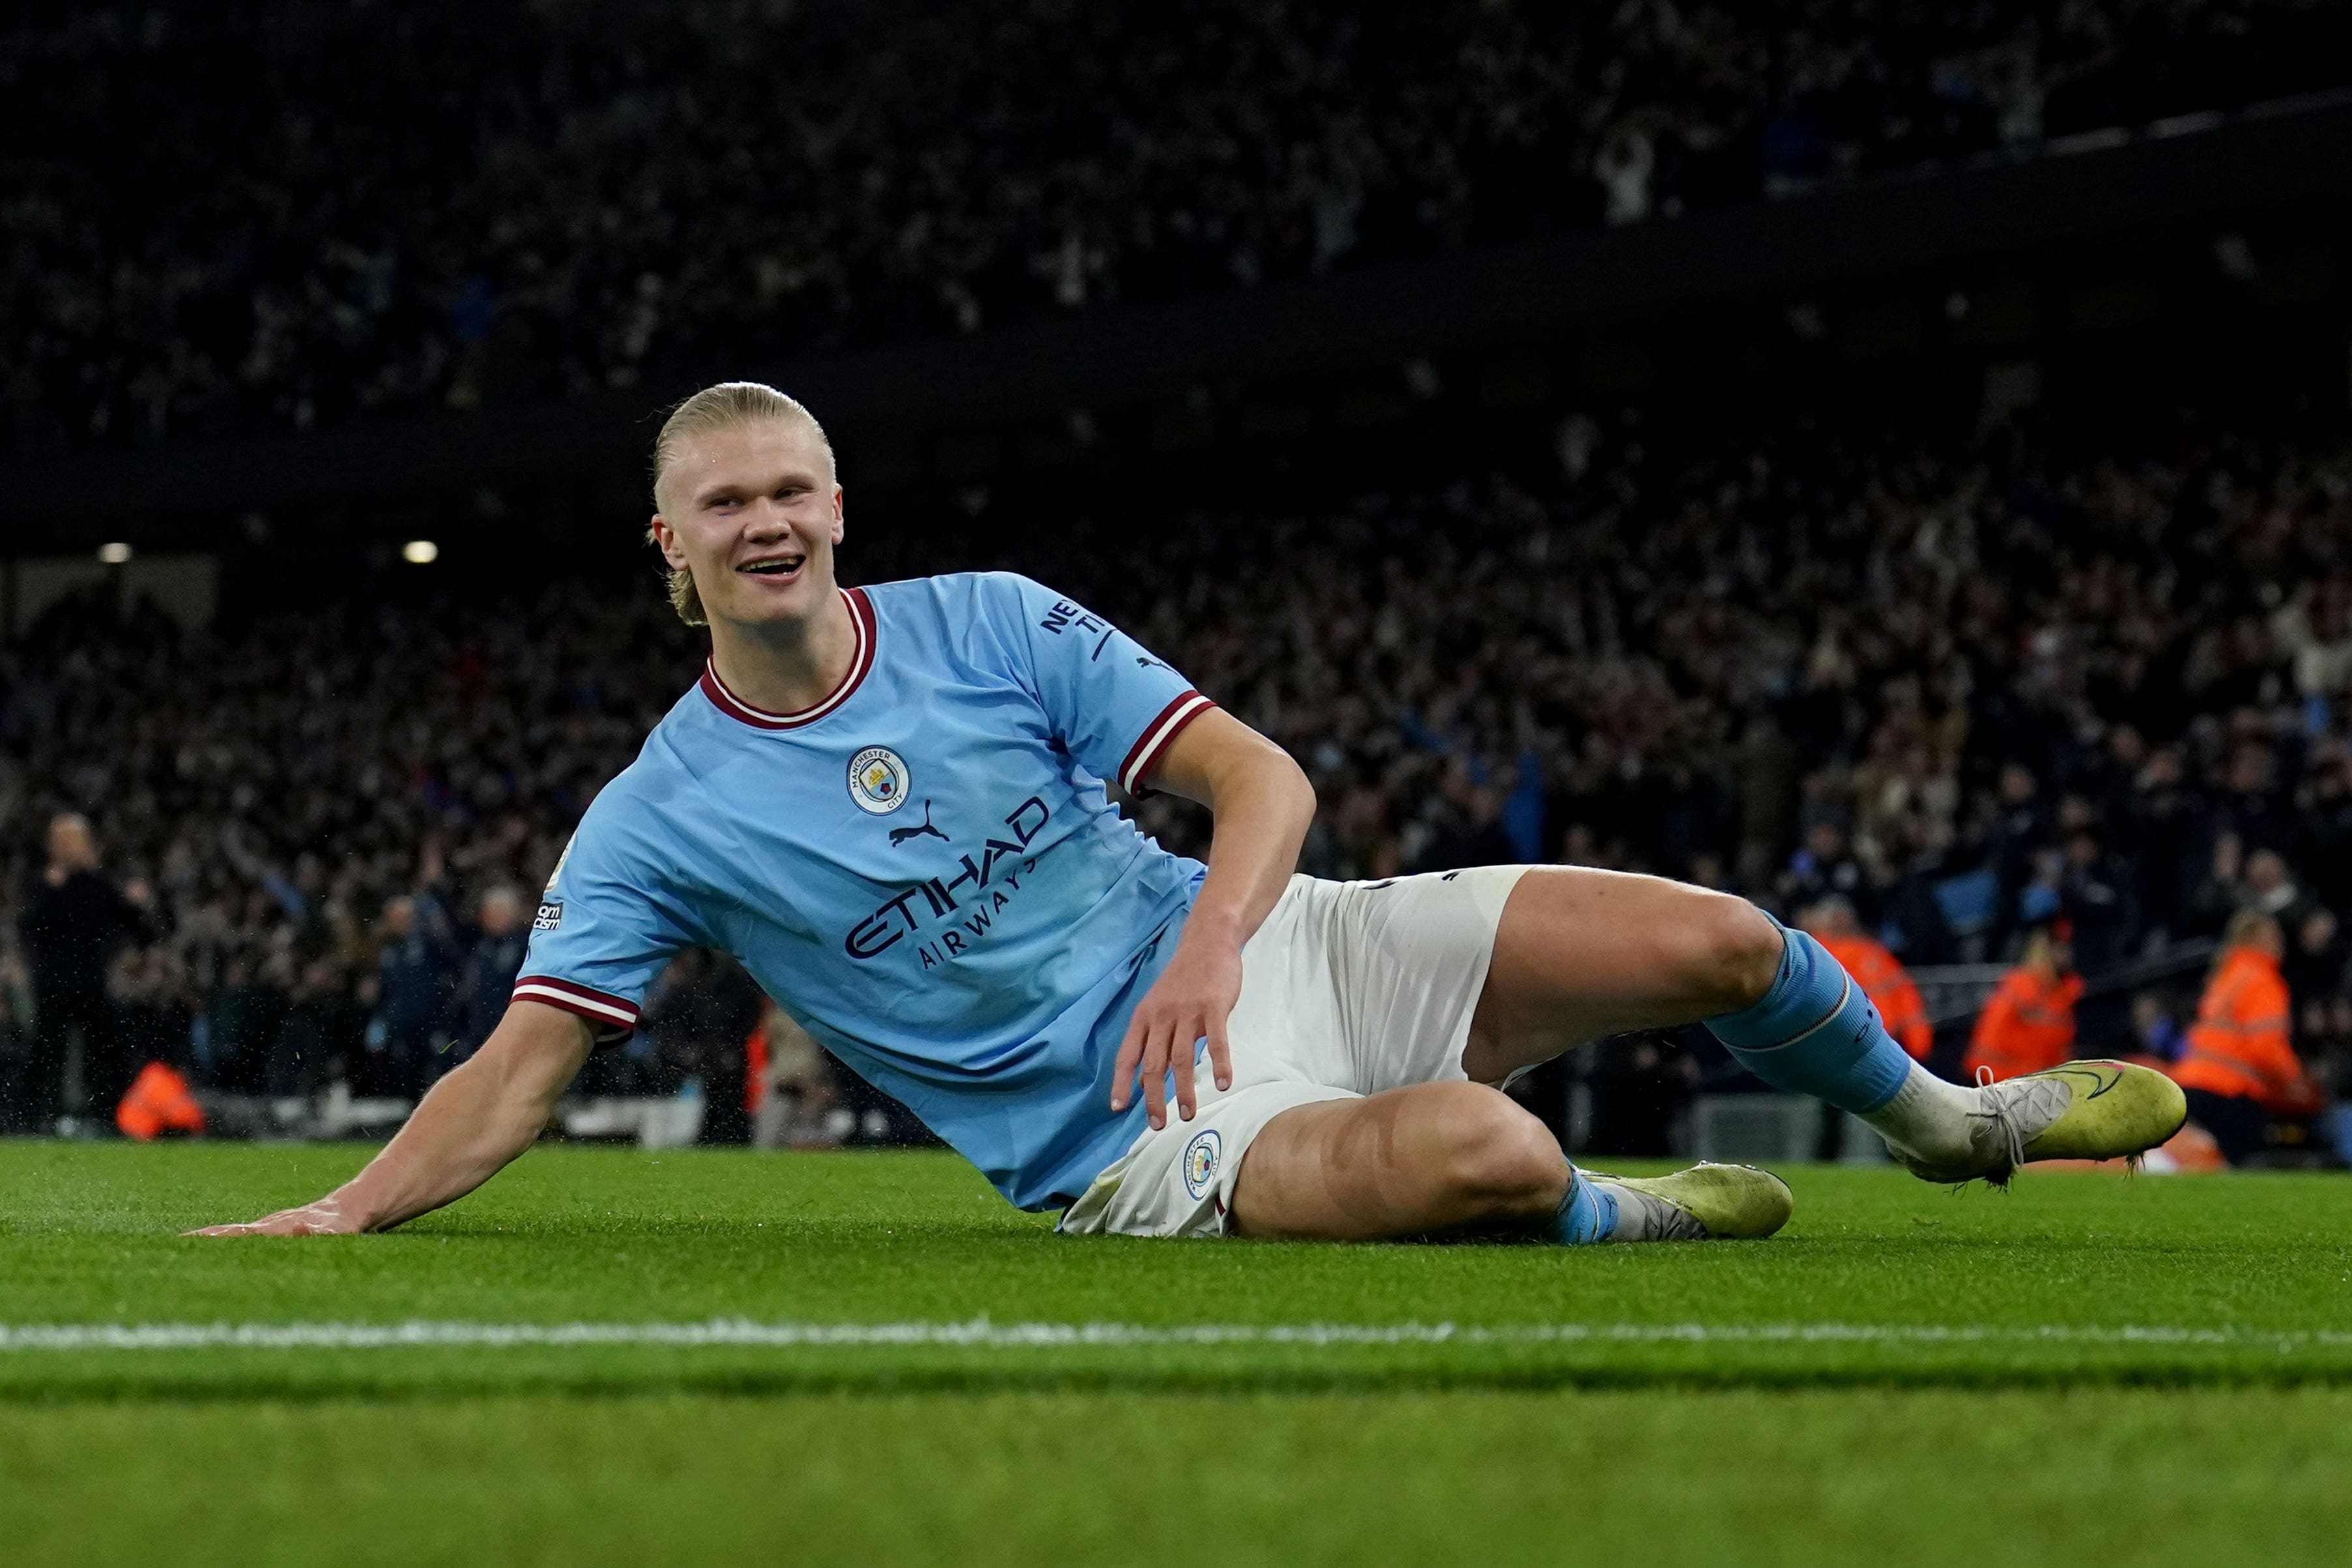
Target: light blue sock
(1588, 1214)
(1814, 1032)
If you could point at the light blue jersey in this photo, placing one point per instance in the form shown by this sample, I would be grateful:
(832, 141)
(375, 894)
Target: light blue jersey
(922, 869)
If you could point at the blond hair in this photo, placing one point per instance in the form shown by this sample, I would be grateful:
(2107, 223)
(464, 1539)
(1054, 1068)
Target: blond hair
(719, 407)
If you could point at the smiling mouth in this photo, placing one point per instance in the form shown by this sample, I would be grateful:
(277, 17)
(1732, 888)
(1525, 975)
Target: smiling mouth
(775, 566)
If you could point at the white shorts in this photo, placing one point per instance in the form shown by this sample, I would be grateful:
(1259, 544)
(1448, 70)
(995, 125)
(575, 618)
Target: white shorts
(1347, 989)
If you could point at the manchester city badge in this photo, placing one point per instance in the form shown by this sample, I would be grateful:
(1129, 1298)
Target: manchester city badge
(1200, 1162)
(877, 779)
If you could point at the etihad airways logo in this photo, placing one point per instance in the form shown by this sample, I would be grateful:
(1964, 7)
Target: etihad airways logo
(949, 916)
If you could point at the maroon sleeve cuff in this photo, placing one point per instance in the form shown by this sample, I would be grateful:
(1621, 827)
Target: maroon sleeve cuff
(1157, 737)
(612, 1018)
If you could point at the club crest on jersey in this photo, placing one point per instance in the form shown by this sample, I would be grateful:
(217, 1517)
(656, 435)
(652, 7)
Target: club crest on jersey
(1200, 1162)
(561, 861)
(877, 779)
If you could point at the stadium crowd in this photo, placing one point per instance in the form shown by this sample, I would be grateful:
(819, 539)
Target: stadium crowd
(447, 204)
(1967, 688)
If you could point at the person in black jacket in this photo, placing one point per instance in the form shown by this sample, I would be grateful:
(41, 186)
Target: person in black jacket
(73, 924)
(415, 973)
(485, 980)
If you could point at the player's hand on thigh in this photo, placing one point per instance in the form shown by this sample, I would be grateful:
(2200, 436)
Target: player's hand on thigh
(1193, 998)
(324, 1217)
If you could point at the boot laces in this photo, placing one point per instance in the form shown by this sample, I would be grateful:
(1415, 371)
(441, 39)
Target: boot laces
(2004, 1101)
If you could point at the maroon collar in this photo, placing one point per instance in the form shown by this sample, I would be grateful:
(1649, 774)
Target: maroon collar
(861, 659)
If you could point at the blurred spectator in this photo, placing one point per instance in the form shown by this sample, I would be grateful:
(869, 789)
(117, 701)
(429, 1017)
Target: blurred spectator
(2314, 966)
(2170, 830)
(2156, 1033)
(700, 1016)
(1463, 826)
(2324, 808)
(318, 1033)
(238, 1028)
(152, 1008)
(414, 980)
(2095, 894)
(73, 922)
(2029, 1023)
(2020, 838)
(485, 979)
(2239, 1070)
(2269, 885)
(1827, 869)
(1639, 1083)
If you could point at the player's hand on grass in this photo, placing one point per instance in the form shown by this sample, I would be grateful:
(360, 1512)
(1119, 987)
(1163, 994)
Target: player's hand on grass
(324, 1217)
(1192, 997)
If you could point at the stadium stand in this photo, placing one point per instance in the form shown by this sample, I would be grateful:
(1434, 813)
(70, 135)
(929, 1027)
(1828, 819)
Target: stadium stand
(457, 205)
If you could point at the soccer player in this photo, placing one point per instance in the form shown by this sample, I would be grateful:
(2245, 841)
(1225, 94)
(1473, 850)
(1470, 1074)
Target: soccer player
(889, 803)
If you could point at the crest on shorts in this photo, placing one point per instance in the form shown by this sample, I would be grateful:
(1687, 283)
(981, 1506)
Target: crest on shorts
(1200, 1162)
(877, 779)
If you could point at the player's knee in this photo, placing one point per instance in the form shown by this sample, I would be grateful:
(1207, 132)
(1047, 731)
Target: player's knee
(1500, 1157)
(1730, 953)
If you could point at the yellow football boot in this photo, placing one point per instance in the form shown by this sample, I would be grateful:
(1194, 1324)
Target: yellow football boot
(2083, 1111)
(1705, 1203)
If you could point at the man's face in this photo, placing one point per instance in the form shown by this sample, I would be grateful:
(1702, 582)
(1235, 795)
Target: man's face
(752, 511)
(2318, 931)
(70, 845)
(500, 913)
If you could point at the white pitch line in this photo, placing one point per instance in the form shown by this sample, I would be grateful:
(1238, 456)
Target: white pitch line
(982, 1334)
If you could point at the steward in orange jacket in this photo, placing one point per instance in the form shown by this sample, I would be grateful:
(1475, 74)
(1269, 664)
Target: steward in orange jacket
(2237, 1047)
(2029, 1023)
(1883, 979)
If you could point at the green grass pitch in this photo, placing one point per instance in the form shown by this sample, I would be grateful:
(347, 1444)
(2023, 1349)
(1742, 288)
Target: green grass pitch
(720, 1357)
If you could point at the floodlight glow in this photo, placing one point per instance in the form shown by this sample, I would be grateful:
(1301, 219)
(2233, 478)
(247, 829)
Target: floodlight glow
(114, 554)
(420, 552)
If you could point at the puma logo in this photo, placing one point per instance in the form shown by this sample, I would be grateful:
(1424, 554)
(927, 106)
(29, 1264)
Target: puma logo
(900, 834)
(1147, 662)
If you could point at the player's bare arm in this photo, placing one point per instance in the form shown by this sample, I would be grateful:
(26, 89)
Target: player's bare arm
(472, 1124)
(1262, 804)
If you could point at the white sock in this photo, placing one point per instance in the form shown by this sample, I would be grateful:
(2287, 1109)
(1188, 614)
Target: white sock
(1927, 1116)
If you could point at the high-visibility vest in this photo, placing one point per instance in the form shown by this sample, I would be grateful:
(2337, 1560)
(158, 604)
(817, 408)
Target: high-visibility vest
(1888, 986)
(2238, 1046)
(2029, 1025)
(158, 1103)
